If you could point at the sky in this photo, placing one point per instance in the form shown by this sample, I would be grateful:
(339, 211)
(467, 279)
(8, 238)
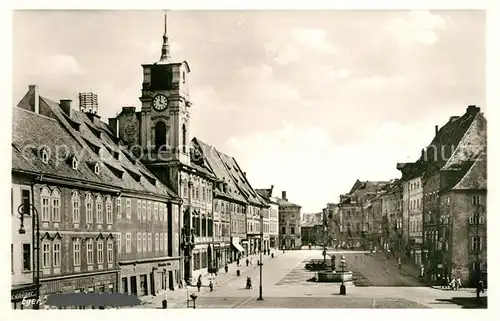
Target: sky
(307, 101)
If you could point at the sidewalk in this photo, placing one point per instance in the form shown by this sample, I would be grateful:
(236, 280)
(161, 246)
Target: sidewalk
(406, 267)
(179, 297)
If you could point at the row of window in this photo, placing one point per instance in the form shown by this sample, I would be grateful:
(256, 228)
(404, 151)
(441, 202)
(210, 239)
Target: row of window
(51, 253)
(238, 227)
(198, 193)
(144, 242)
(414, 186)
(51, 208)
(222, 229)
(416, 226)
(283, 230)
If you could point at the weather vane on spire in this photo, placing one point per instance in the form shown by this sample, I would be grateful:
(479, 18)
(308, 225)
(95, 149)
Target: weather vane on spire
(165, 49)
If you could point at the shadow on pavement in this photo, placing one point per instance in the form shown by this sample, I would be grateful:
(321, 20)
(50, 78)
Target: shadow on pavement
(468, 302)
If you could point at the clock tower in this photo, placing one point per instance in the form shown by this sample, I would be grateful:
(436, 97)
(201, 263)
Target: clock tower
(165, 114)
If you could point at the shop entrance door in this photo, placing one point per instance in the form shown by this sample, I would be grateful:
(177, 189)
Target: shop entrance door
(171, 280)
(143, 285)
(124, 285)
(133, 285)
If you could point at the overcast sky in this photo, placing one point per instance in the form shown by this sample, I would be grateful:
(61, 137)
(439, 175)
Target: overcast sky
(308, 101)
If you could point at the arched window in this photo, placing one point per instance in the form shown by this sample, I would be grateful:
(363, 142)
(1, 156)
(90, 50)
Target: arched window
(184, 134)
(109, 211)
(75, 200)
(99, 214)
(56, 206)
(45, 197)
(88, 209)
(160, 136)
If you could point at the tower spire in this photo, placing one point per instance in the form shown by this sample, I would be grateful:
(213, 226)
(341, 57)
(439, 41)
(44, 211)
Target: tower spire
(165, 48)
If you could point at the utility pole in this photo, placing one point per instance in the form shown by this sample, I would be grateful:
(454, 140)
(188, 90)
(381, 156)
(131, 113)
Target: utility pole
(260, 261)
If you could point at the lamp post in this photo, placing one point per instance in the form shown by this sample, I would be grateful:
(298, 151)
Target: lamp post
(260, 298)
(24, 209)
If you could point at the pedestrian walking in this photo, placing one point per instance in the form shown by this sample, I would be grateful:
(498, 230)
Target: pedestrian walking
(480, 288)
(238, 262)
(226, 268)
(198, 284)
(211, 285)
(248, 262)
(459, 283)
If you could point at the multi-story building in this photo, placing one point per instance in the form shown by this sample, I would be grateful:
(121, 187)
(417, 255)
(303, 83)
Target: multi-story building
(289, 224)
(412, 208)
(229, 207)
(312, 232)
(21, 249)
(331, 219)
(355, 219)
(254, 208)
(87, 195)
(372, 221)
(272, 221)
(392, 219)
(160, 132)
(454, 192)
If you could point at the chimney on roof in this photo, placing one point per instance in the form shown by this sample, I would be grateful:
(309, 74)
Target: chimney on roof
(283, 195)
(437, 129)
(245, 174)
(114, 124)
(66, 106)
(422, 154)
(472, 109)
(33, 89)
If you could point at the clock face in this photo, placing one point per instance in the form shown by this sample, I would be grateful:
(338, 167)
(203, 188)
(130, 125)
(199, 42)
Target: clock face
(160, 102)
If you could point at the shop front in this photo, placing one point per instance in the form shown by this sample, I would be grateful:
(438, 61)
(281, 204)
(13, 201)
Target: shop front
(18, 293)
(102, 282)
(149, 278)
(237, 250)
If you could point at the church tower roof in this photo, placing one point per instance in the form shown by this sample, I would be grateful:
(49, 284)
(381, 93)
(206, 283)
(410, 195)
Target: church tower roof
(165, 48)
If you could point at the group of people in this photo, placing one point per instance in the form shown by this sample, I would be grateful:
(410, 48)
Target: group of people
(453, 284)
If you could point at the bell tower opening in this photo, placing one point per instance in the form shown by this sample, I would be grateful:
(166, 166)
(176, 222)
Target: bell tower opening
(160, 136)
(184, 134)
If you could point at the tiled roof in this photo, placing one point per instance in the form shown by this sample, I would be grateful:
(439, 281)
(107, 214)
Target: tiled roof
(282, 202)
(239, 178)
(215, 163)
(447, 138)
(475, 178)
(21, 163)
(266, 193)
(106, 142)
(58, 134)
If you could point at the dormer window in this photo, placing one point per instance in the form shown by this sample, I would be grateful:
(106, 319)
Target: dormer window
(74, 163)
(97, 169)
(45, 156)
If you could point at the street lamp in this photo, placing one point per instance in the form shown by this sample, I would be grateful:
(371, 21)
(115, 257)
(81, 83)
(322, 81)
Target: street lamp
(24, 209)
(260, 298)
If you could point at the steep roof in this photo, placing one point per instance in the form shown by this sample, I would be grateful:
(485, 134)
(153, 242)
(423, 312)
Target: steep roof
(240, 179)
(446, 142)
(76, 135)
(282, 202)
(476, 176)
(216, 165)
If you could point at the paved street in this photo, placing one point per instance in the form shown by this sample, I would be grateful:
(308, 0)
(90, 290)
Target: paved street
(285, 285)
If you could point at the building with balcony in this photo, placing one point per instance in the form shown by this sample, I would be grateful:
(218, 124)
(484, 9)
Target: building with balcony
(271, 235)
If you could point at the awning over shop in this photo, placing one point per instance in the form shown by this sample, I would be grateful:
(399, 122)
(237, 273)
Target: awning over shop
(236, 244)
